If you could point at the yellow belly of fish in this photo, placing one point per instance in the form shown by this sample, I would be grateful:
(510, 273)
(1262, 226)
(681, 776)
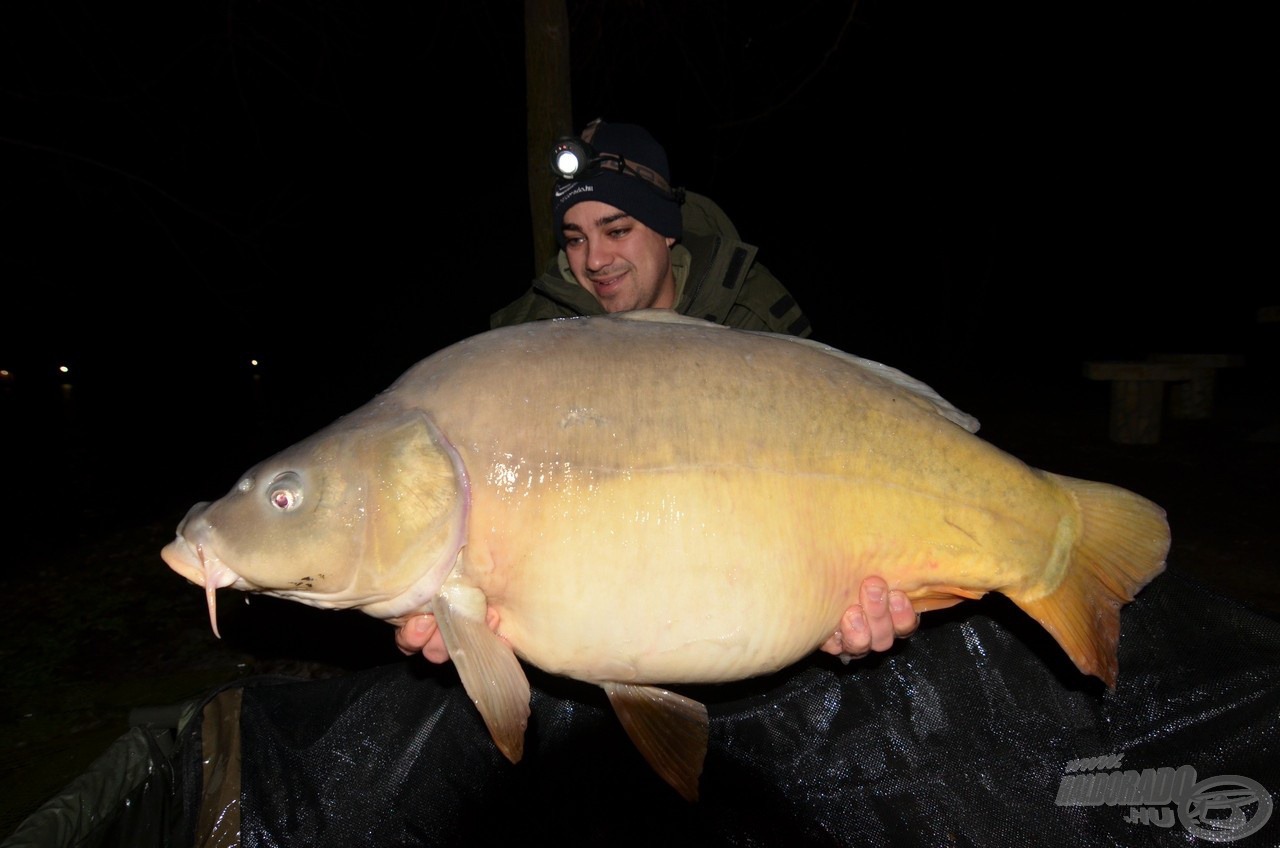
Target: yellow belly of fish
(717, 575)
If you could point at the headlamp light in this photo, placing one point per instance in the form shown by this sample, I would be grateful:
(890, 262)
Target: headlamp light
(569, 156)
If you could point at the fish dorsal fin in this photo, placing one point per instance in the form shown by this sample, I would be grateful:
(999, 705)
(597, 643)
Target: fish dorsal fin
(488, 667)
(886, 373)
(664, 316)
(901, 379)
(943, 406)
(670, 730)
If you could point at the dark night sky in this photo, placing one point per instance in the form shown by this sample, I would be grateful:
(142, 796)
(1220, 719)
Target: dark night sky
(977, 193)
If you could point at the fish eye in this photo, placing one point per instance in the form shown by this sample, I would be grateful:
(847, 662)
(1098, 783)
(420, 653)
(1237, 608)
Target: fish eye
(285, 492)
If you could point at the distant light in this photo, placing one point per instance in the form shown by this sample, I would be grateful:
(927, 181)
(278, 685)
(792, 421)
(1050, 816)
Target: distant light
(253, 362)
(64, 369)
(4, 374)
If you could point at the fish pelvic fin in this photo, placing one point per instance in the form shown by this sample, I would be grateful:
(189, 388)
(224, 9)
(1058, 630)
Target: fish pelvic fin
(1120, 547)
(929, 598)
(669, 730)
(487, 666)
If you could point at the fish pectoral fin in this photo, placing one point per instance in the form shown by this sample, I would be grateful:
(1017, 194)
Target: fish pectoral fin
(929, 598)
(489, 669)
(670, 730)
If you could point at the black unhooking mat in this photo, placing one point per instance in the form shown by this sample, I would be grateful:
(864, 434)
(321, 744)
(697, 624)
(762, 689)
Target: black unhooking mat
(974, 732)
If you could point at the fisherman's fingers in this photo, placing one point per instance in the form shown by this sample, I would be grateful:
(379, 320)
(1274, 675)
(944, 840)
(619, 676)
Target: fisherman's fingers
(421, 633)
(873, 624)
(905, 619)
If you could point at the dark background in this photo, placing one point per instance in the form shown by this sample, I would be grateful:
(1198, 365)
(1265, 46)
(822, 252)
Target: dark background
(982, 194)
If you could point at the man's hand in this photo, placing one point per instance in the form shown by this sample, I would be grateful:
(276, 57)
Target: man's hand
(870, 625)
(421, 633)
(873, 624)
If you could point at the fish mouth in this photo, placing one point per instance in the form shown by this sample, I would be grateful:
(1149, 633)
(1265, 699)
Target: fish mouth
(199, 566)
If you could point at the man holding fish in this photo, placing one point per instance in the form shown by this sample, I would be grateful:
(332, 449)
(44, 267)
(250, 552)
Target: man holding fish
(630, 241)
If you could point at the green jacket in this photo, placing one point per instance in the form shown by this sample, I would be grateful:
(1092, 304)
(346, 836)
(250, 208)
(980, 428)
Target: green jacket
(717, 278)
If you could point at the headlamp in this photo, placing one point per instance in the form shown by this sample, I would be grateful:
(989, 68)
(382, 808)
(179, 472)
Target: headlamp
(569, 156)
(573, 158)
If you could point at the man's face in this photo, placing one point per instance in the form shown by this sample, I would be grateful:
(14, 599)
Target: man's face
(622, 262)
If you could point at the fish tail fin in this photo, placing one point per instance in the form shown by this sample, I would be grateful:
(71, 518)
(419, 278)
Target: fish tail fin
(1121, 546)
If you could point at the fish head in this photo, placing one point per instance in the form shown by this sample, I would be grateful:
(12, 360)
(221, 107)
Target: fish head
(369, 513)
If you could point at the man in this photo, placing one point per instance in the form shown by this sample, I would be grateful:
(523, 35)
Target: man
(669, 249)
(630, 241)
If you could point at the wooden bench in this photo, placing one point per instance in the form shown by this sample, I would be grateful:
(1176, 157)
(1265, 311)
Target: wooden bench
(1137, 396)
(1193, 399)
(1137, 391)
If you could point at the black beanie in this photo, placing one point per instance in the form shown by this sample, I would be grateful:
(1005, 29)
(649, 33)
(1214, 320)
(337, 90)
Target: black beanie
(633, 195)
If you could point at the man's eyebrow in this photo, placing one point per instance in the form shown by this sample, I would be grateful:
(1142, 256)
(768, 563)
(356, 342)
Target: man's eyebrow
(600, 222)
(609, 219)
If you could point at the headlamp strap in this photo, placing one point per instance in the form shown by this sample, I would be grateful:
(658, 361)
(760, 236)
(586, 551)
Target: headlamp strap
(614, 162)
(589, 131)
